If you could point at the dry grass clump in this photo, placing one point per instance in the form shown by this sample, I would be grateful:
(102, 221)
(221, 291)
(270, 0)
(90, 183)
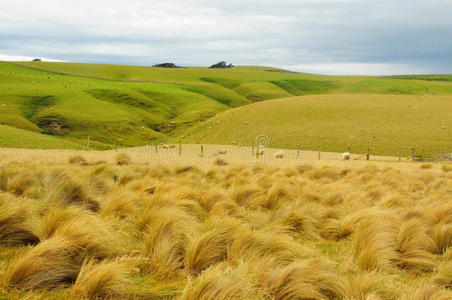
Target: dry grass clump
(306, 279)
(426, 166)
(220, 162)
(105, 279)
(231, 232)
(15, 227)
(50, 264)
(442, 238)
(415, 247)
(166, 238)
(369, 285)
(220, 282)
(374, 245)
(78, 160)
(426, 292)
(444, 275)
(211, 245)
(273, 246)
(123, 159)
(118, 203)
(446, 168)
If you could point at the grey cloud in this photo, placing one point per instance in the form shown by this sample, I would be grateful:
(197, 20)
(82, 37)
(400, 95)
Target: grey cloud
(410, 35)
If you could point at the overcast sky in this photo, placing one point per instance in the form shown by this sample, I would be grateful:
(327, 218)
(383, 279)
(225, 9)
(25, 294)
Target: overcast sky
(316, 36)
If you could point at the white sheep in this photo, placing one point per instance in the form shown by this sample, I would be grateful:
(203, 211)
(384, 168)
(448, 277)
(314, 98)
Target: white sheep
(346, 155)
(165, 146)
(222, 151)
(279, 154)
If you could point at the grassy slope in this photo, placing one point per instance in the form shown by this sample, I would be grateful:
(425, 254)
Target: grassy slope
(129, 113)
(128, 105)
(18, 138)
(387, 124)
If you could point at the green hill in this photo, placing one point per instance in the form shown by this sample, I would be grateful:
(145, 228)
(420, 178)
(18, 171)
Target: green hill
(388, 124)
(132, 105)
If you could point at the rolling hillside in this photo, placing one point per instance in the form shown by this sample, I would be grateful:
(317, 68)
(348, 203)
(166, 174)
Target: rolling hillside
(132, 106)
(388, 124)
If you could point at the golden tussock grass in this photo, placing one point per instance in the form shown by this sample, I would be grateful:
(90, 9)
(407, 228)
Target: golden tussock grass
(78, 160)
(109, 231)
(51, 263)
(106, 279)
(15, 227)
(306, 279)
(123, 159)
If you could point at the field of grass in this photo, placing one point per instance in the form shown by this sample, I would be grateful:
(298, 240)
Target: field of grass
(101, 225)
(124, 113)
(135, 106)
(387, 124)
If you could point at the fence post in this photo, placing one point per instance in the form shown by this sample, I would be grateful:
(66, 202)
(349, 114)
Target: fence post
(400, 156)
(319, 155)
(116, 148)
(348, 149)
(87, 143)
(368, 154)
(156, 148)
(202, 150)
(413, 154)
(180, 147)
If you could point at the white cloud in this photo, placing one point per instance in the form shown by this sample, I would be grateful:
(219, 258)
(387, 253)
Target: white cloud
(5, 57)
(358, 69)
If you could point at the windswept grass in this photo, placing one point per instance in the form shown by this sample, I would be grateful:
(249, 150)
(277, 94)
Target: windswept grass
(74, 229)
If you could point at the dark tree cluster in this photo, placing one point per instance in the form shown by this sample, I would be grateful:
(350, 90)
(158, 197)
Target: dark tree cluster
(221, 65)
(166, 65)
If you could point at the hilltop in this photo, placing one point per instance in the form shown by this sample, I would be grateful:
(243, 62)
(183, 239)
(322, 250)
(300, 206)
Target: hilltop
(56, 105)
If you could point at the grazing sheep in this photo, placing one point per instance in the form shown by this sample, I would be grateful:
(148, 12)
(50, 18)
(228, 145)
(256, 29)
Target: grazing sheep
(444, 127)
(279, 154)
(240, 144)
(165, 146)
(222, 151)
(172, 146)
(346, 156)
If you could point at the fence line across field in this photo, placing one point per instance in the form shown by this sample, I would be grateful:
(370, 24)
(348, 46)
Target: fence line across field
(209, 154)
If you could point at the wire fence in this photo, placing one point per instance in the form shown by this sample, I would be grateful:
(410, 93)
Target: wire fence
(185, 154)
